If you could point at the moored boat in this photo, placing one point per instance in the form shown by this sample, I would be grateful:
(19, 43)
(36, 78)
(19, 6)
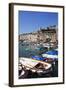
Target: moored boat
(35, 66)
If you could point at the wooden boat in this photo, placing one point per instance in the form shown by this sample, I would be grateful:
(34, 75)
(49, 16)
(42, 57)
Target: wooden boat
(33, 65)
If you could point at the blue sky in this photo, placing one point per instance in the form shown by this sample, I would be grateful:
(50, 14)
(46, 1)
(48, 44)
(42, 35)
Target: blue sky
(30, 21)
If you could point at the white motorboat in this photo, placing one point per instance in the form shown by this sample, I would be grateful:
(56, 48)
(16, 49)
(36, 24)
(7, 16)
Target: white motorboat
(34, 66)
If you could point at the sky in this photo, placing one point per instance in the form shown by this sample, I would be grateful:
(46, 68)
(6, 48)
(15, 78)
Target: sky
(30, 21)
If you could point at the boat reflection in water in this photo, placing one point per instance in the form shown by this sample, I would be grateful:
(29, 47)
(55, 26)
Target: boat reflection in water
(33, 65)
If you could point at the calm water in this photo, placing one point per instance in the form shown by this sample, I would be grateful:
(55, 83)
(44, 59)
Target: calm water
(26, 50)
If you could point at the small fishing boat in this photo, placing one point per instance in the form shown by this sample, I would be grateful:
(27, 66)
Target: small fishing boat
(40, 67)
(51, 56)
(37, 57)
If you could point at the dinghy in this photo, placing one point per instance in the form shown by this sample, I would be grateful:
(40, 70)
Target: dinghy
(34, 66)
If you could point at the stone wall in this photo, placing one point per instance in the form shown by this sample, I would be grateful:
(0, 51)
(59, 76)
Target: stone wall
(39, 36)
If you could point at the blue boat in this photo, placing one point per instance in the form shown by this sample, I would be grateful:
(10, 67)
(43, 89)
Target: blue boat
(51, 54)
(38, 58)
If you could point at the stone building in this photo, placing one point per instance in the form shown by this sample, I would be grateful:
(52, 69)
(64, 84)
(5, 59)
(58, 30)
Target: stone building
(29, 37)
(40, 36)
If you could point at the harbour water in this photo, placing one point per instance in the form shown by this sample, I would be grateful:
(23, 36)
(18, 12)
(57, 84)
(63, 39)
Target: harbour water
(29, 50)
